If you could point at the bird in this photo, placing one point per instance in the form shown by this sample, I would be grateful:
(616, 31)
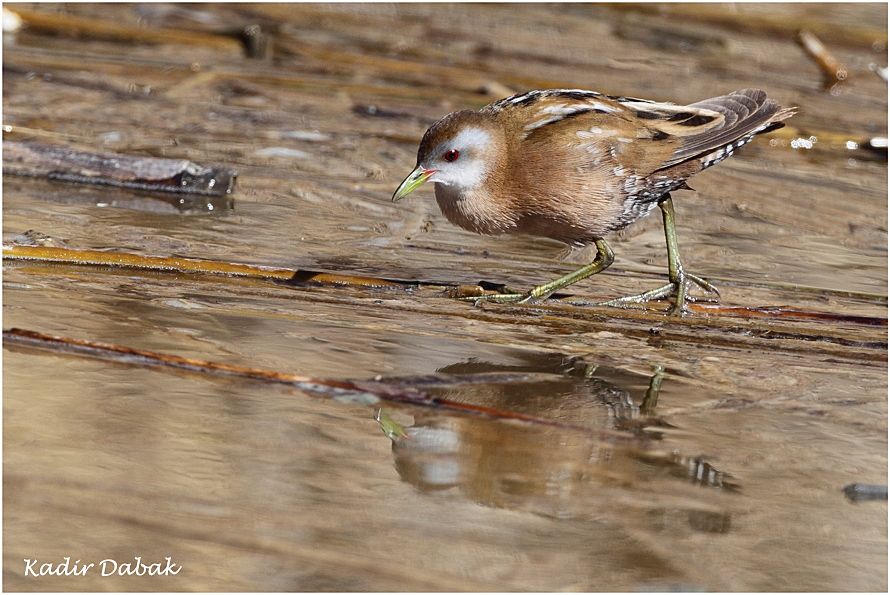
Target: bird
(575, 165)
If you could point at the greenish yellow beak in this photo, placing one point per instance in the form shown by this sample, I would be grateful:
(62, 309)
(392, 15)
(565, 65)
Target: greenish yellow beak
(414, 181)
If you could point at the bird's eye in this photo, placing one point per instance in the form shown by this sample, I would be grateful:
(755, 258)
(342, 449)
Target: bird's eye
(451, 155)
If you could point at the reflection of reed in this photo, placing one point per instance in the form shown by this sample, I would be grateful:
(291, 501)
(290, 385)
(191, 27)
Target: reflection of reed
(352, 391)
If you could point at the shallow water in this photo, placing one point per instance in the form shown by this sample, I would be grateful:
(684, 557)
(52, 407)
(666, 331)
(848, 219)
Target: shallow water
(730, 480)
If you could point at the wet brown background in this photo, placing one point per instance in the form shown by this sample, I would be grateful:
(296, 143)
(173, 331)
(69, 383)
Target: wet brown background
(251, 487)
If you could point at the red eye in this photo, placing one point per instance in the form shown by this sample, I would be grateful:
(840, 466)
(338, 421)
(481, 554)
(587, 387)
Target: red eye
(451, 155)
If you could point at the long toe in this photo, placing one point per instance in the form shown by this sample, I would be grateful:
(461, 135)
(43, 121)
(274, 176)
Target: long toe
(705, 286)
(531, 299)
(642, 298)
(497, 298)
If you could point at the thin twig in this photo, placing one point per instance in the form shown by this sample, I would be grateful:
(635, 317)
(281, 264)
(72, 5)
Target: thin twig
(833, 71)
(307, 277)
(758, 24)
(363, 391)
(138, 261)
(92, 28)
(744, 332)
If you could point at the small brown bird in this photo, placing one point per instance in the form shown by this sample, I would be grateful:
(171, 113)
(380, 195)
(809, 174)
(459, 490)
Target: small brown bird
(575, 165)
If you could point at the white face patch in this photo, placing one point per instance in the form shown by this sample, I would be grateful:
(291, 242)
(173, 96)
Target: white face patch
(469, 169)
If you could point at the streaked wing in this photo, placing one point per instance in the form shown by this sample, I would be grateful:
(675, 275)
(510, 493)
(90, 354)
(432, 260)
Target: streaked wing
(534, 110)
(742, 114)
(709, 129)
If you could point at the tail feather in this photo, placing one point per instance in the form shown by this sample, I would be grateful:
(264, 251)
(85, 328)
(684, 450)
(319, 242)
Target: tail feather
(745, 113)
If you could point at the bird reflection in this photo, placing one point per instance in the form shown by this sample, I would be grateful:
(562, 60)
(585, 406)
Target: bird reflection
(543, 469)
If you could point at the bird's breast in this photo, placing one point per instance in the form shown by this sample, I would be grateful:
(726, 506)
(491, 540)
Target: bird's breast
(475, 210)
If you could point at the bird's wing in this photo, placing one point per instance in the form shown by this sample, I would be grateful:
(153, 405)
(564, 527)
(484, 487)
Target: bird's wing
(711, 129)
(530, 112)
(708, 130)
(534, 110)
(592, 131)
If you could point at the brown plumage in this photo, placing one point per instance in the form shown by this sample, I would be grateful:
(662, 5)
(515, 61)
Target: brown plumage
(575, 165)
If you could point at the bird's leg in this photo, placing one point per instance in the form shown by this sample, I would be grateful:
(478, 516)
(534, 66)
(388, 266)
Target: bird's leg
(604, 258)
(680, 279)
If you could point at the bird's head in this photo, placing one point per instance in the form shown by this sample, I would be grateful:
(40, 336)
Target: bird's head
(457, 151)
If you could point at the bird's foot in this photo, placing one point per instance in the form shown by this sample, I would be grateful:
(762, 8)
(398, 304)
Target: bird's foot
(678, 289)
(501, 298)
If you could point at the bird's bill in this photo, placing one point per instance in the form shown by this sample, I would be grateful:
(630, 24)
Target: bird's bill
(414, 181)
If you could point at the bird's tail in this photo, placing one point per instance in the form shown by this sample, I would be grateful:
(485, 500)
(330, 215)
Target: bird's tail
(744, 114)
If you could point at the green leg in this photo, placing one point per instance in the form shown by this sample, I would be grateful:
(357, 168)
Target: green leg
(680, 279)
(604, 258)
